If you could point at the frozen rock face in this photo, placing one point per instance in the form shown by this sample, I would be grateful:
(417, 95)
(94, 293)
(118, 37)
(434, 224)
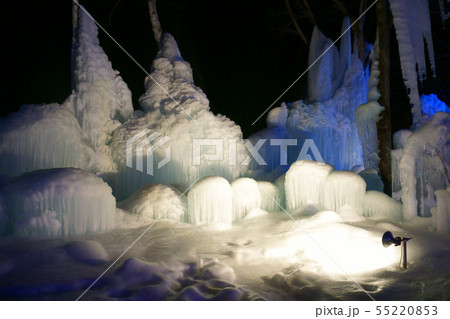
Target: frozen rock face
(200, 143)
(41, 137)
(304, 184)
(421, 168)
(101, 100)
(344, 188)
(379, 205)
(210, 202)
(59, 202)
(156, 201)
(246, 196)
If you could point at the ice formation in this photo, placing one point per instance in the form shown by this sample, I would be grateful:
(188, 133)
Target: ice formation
(59, 202)
(337, 85)
(78, 132)
(379, 205)
(413, 30)
(246, 196)
(156, 201)
(187, 125)
(431, 105)
(101, 100)
(367, 115)
(41, 137)
(442, 211)
(271, 196)
(372, 179)
(87, 251)
(210, 201)
(343, 188)
(304, 184)
(422, 168)
(3, 216)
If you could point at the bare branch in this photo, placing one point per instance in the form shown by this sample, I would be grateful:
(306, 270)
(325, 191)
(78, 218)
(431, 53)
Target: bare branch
(294, 22)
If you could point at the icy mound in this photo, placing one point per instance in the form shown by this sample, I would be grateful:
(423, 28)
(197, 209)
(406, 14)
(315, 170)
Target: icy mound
(101, 100)
(87, 251)
(210, 201)
(186, 141)
(377, 204)
(271, 196)
(246, 196)
(156, 201)
(304, 184)
(344, 188)
(59, 202)
(41, 137)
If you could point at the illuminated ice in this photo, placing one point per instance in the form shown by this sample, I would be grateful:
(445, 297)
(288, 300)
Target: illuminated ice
(41, 137)
(413, 32)
(210, 202)
(304, 184)
(379, 205)
(343, 188)
(246, 196)
(156, 201)
(59, 202)
(176, 125)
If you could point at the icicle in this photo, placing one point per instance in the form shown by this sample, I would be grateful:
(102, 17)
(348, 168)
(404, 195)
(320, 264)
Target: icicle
(210, 201)
(412, 26)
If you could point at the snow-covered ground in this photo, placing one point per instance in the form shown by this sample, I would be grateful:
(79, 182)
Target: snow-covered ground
(264, 256)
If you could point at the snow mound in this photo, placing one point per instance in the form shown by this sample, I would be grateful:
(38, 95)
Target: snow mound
(156, 201)
(182, 131)
(210, 201)
(72, 200)
(87, 251)
(246, 196)
(304, 184)
(344, 188)
(378, 204)
(41, 137)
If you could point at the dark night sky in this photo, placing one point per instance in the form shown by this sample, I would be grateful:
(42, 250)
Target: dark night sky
(242, 55)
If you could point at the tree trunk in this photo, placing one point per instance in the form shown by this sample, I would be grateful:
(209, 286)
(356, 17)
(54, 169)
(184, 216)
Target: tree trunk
(156, 25)
(73, 51)
(384, 124)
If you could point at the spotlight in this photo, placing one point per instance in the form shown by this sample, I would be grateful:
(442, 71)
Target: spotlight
(388, 239)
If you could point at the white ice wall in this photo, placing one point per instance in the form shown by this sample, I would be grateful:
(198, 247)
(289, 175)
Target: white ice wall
(59, 202)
